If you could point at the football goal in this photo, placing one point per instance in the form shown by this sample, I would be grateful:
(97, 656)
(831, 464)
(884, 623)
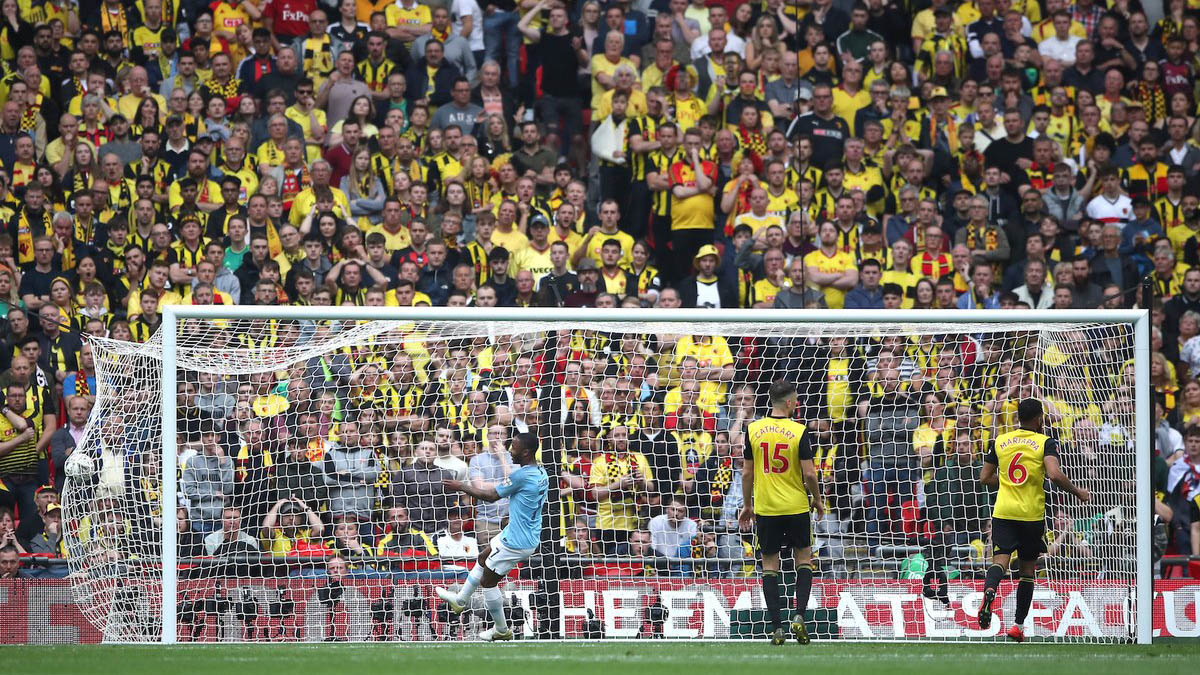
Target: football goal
(278, 473)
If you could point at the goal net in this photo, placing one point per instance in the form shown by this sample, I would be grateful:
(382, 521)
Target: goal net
(305, 455)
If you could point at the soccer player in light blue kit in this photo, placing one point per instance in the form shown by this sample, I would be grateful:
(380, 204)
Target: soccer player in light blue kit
(525, 489)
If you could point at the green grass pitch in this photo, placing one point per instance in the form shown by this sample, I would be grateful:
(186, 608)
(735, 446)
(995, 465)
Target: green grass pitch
(642, 658)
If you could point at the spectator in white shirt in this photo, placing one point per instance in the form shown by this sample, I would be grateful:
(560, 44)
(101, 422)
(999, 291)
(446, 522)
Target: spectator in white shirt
(672, 532)
(1061, 45)
(450, 453)
(1035, 292)
(733, 43)
(230, 534)
(454, 542)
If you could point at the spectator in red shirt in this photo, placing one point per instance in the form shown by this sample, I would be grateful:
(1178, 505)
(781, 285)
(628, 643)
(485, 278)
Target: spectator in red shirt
(287, 20)
(341, 155)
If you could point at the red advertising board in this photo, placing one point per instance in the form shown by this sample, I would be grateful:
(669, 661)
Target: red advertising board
(45, 611)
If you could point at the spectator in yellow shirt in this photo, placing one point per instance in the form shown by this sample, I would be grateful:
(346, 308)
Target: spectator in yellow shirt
(604, 66)
(829, 268)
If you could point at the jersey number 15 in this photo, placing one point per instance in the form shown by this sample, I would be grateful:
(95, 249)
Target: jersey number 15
(773, 458)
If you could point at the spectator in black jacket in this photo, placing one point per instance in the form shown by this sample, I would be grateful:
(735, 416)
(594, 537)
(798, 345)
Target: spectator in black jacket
(955, 504)
(419, 488)
(247, 275)
(436, 275)
(299, 474)
(490, 87)
(654, 442)
(705, 288)
(1109, 266)
(443, 78)
(1186, 300)
(867, 294)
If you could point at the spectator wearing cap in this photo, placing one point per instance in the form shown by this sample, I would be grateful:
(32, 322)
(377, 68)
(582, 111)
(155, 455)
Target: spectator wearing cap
(534, 257)
(585, 292)
(122, 144)
(1140, 234)
(32, 521)
(867, 294)
(705, 288)
(49, 542)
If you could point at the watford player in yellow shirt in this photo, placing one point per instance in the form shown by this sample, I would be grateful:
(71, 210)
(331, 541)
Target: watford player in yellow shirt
(779, 484)
(1019, 465)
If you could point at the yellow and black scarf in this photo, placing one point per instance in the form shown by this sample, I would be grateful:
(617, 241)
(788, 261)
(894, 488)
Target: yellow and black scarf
(25, 234)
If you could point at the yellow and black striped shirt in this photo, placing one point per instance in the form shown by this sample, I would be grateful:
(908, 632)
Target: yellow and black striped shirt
(646, 127)
(660, 163)
(375, 75)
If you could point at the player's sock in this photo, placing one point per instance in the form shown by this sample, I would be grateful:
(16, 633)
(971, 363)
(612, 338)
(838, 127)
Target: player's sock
(927, 583)
(994, 574)
(770, 583)
(943, 590)
(493, 599)
(1024, 598)
(473, 578)
(804, 576)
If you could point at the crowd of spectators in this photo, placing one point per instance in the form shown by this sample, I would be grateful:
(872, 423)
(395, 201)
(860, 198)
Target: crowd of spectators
(714, 154)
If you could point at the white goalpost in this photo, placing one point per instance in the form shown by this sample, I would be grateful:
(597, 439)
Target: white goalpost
(261, 473)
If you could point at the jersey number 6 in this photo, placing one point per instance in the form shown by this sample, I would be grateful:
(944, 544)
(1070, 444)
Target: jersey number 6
(773, 458)
(1017, 473)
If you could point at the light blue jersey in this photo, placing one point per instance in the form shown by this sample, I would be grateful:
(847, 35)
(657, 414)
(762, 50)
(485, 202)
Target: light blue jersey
(526, 490)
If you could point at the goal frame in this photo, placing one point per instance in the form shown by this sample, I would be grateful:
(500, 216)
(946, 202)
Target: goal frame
(1140, 318)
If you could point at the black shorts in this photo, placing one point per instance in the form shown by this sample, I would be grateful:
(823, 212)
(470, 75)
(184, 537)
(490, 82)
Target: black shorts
(776, 533)
(1026, 537)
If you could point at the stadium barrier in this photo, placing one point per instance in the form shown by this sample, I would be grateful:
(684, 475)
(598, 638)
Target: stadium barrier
(43, 611)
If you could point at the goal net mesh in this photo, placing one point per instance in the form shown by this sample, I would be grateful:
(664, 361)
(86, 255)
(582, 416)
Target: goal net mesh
(311, 457)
